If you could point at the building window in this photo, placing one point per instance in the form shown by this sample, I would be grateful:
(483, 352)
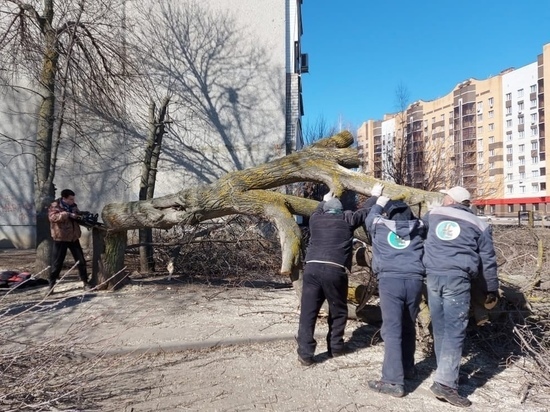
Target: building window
(492, 152)
(491, 165)
(491, 139)
(533, 118)
(534, 187)
(509, 123)
(443, 117)
(521, 148)
(520, 106)
(520, 93)
(521, 134)
(480, 167)
(491, 114)
(521, 120)
(508, 96)
(522, 189)
(534, 145)
(510, 208)
(509, 137)
(543, 186)
(491, 126)
(480, 130)
(534, 131)
(480, 117)
(480, 156)
(508, 111)
(534, 160)
(533, 88)
(509, 163)
(509, 177)
(533, 103)
(521, 175)
(479, 106)
(509, 150)
(535, 173)
(509, 189)
(521, 160)
(491, 101)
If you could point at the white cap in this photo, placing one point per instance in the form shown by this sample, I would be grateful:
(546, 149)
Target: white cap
(457, 193)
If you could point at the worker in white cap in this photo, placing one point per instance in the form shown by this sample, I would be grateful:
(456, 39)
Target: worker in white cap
(459, 248)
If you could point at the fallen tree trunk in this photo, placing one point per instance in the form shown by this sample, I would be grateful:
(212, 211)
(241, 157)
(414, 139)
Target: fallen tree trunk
(251, 191)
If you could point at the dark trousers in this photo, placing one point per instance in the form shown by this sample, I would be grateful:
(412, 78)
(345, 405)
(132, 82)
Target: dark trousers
(399, 303)
(323, 282)
(59, 251)
(449, 302)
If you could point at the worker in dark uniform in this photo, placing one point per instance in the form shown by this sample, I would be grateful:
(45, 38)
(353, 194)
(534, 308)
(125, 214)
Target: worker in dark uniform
(459, 247)
(328, 262)
(397, 249)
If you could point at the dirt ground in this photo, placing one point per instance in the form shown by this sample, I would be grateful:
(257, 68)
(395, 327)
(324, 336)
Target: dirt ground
(160, 345)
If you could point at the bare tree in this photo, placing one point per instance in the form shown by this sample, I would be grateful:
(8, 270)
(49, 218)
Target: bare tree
(157, 129)
(394, 161)
(318, 129)
(72, 52)
(415, 156)
(249, 192)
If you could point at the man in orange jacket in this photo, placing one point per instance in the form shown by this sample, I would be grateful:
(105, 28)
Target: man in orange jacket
(65, 231)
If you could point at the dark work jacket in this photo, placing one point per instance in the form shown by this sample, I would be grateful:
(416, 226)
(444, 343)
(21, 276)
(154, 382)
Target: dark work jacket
(397, 246)
(459, 244)
(331, 235)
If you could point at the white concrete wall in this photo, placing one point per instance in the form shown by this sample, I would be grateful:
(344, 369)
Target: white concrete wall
(249, 104)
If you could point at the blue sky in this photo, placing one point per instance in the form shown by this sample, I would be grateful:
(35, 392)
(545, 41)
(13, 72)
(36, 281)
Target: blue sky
(360, 51)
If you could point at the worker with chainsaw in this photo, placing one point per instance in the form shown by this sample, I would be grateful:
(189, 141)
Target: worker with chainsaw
(64, 216)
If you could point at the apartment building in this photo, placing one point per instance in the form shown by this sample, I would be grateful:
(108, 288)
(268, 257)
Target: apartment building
(486, 135)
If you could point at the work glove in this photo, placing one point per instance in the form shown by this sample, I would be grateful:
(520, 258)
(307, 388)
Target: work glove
(491, 300)
(328, 196)
(434, 203)
(377, 189)
(382, 201)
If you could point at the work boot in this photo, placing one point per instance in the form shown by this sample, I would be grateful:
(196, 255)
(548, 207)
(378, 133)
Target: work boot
(336, 353)
(446, 393)
(306, 361)
(411, 374)
(397, 391)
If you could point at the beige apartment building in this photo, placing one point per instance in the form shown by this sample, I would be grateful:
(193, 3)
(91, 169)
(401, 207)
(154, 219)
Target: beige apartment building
(486, 135)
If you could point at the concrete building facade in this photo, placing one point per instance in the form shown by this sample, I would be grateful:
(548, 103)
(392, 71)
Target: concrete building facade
(254, 108)
(486, 135)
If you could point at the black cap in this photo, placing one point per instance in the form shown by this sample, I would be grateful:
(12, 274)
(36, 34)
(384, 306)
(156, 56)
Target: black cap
(398, 210)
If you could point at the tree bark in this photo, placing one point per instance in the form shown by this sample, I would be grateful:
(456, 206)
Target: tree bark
(250, 191)
(149, 178)
(111, 275)
(44, 190)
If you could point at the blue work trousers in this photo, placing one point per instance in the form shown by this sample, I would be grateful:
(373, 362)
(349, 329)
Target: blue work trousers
(449, 302)
(399, 302)
(322, 282)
